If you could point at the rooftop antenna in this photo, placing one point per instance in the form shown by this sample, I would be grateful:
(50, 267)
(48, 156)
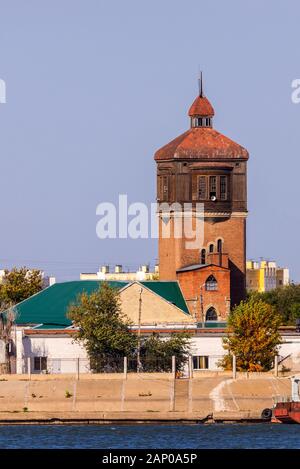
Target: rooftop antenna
(200, 84)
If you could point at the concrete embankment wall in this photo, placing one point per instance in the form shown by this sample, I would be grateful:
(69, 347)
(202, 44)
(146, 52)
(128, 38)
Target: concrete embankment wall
(140, 397)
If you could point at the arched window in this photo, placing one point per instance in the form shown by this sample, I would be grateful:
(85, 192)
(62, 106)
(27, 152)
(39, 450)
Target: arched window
(211, 314)
(219, 245)
(203, 256)
(211, 248)
(211, 284)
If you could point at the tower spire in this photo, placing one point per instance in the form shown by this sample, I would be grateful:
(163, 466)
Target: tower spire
(200, 84)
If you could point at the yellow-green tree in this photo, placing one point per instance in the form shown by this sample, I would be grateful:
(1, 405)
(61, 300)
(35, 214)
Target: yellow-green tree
(253, 336)
(19, 284)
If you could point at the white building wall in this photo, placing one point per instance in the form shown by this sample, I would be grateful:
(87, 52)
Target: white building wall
(212, 347)
(208, 346)
(290, 350)
(62, 352)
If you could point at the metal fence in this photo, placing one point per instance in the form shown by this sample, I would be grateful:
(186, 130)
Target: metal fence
(49, 365)
(121, 364)
(118, 364)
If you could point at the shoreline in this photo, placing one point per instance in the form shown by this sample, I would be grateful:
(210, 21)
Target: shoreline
(139, 400)
(130, 418)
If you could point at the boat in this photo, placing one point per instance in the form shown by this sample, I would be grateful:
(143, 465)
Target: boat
(287, 410)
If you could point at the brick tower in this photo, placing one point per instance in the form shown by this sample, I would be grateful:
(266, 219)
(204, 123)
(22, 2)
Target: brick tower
(202, 165)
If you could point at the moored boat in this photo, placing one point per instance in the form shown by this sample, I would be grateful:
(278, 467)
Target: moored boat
(287, 410)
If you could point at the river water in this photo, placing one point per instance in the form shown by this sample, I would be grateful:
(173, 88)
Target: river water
(151, 436)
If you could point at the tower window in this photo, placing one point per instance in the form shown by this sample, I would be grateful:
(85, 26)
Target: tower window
(211, 248)
(211, 284)
(202, 187)
(219, 245)
(211, 314)
(201, 122)
(223, 187)
(203, 256)
(212, 186)
(165, 188)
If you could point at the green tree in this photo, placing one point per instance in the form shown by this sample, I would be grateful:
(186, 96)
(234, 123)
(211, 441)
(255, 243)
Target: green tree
(105, 333)
(103, 328)
(286, 301)
(253, 336)
(157, 353)
(20, 284)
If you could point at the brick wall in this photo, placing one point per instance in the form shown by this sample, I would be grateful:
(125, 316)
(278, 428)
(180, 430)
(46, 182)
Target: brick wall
(173, 253)
(191, 282)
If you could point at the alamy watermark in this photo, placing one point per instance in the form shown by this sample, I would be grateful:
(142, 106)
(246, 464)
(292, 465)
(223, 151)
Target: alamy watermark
(2, 91)
(137, 220)
(295, 96)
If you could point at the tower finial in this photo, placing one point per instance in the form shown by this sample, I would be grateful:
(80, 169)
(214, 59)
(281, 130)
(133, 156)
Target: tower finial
(200, 83)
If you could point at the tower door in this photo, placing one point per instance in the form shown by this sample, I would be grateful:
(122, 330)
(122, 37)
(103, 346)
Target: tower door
(211, 314)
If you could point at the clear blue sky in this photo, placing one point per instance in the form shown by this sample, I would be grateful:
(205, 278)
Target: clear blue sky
(95, 87)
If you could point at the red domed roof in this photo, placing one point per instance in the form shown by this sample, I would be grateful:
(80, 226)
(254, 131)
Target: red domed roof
(201, 143)
(201, 107)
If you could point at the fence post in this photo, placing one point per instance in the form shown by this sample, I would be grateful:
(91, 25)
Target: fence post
(233, 366)
(77, 368)
(172, 388)
(29, 367)
(174, 366)
(125, 368)
(276, 366)
(190, 367)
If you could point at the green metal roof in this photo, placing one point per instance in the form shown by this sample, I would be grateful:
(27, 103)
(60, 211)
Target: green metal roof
(49, 307)
(168, 290)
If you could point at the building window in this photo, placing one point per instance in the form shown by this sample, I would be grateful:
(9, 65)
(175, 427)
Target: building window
(212, 186)
(211, 284)
(211, 248)
(200, 362)
(202, 187)
(211, 314)
(223, 187)
(203, 256)
(40, 363)
(219, 245)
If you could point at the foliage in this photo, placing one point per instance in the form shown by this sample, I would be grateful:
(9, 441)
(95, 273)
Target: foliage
(103, 328)
(286, 301)
(20, 284)
(253, 337)
(157, 353)
(7, 320)
(105, 332)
